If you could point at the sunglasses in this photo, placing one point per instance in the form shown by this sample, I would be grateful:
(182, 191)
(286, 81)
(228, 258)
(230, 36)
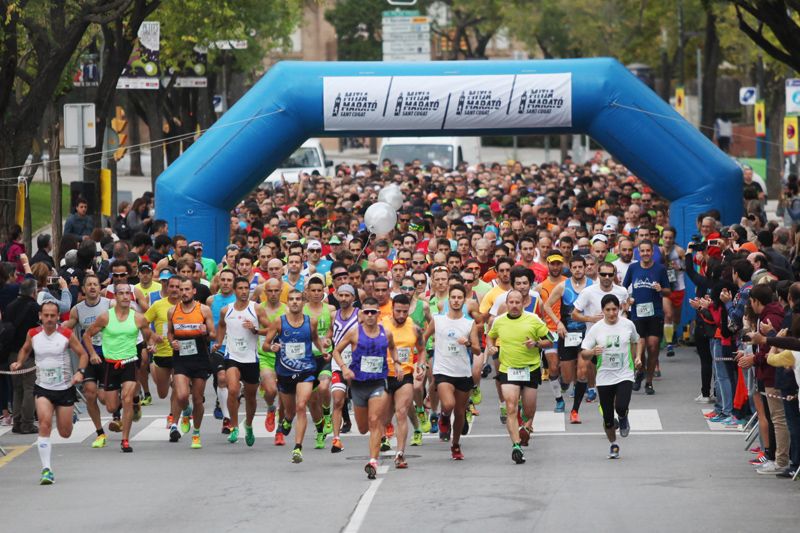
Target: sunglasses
(407, 288)
(370, 311)
(418, 262)
(606, 274)
(119, 275)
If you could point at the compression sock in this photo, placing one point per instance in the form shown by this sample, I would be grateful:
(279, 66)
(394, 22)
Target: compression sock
(556, 387)
(580, 390)
(222, 395)
(43, 444)
(669, 332)
(320, 425)
(326, 410)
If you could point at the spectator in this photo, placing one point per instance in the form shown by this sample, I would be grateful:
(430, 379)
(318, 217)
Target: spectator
(776, 259)
(79, 223)
(13, 249)
(51, 288)
(24, 315)
(138, 218)
(44, 243)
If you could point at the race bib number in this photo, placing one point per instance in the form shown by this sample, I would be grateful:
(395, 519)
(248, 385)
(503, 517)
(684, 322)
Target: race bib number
(239, 344)
(295, 350)
(347, 356)
(51, 376)
(645, 310)
(573, 339)
(612, 359)
(164, 330)
(519, 374)
(453, 347)
(372, 364)
(403, 355)
(187, 347)
(672, 276)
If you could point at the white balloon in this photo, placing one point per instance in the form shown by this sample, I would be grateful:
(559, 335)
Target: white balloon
(380, 218)
(392, 195)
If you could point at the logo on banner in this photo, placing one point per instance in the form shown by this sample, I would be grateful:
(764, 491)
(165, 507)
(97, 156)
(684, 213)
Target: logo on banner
(477, 103)
(353, 104)
(415, 104)
(539, 102)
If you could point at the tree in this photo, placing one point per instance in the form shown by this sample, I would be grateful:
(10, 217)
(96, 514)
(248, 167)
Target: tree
(469, 26)
(38, 41)
(358, 25)
(773, 27)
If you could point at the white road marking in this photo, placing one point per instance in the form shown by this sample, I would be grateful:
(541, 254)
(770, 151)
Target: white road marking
(154, 431)
(598, 433)
(80, 431)
(258, 427)
(547, 421)
(4, 429)
(644, 420)
(360, 512)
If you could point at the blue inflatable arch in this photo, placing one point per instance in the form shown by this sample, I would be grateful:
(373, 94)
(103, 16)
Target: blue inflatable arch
(298, 100)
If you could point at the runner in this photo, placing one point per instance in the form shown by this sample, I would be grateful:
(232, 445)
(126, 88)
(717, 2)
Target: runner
(675, 262)
(322, 312)
(570, 332)
(240, 321)
(524, 335)
(612, 340)
(555, 276)
(121, 327)
(420, 314)
(191, 324)
(291, 338)
(346, 318)
(453, 366)
(274, 309)
(82, 316)
(216, 302)
(648, 283)
(370, 346)
(408, 345)
(55, 381)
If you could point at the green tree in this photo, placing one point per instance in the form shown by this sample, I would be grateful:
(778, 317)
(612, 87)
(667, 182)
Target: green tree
(358, 28)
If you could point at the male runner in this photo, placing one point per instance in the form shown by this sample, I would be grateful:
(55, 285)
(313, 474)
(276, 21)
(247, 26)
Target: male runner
(322, 312)
(274, 309)
(524, 335)
(674, 256)
(190, 326)
(55, 381)
(216, 302)
(345, 319)
(371, 345)
(555, 276)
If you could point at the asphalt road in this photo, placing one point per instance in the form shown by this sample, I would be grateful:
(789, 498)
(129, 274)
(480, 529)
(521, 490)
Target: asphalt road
(676, 473)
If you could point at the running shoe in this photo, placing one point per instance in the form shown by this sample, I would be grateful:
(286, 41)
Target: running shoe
(280, 439)
(768, 467)
(467, 421)
(670, 350)
(503, 414)
(328, 428)
(703, 399)
(637, 382)
(486, 370)
(624, 426)
(319, 443)
(385, 444)
(371, 469)
(218, 412)
(732, 421)
(455, 452)
(170, 421)
(591, 394)
(234, 436)
(524, 436)
(389, 430)
(147, 400)
(516, 454)
(648, 389)
(755, 450)
(416, 438)
(434, 421)
(174, 434)
(574, 417)
(657, 373)
(226, 426)
(476, 396)
(444, 428)
(99, 441)
(137, 412)
(249, 436)
(711, 414)
(115, 425)
(758, 460)
(297, 455)
(719, 418)
(196, 444)
(336, 445)
(346, 427)
(48, 478)
(613, 451)
(126, 446)
(560, 405)
(286, 427)
(424, 423)
(188, 410)
(185, 426)
(400, 461)
(269, 421)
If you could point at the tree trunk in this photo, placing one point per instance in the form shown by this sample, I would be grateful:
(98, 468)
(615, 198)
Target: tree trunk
(134, 139)
(776, 107)
(54, 172)
(666, 76)
(712, 56)
(154, 125)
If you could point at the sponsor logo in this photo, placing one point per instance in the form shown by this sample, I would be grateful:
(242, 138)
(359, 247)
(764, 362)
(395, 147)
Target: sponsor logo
(477, 102)
(353, 104)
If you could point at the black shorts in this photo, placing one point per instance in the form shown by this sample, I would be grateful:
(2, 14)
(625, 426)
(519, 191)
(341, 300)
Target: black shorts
(568, 354)
(395, 384)
(533, 383)
(114, 376)
(461, 384)
(162, 361)
(652, 326)
(192, 367)
(248, 372)
(94, 372)
(217, 361)
(59, 398)
(288, 384)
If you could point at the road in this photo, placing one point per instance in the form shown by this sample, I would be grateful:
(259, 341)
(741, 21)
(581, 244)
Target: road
(676, 473)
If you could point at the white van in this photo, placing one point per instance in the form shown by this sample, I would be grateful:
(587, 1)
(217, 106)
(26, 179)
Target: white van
(447, 152)
(308, 158)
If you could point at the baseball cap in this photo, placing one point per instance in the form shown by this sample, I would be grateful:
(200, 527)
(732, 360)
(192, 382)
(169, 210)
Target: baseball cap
(610, 227)
(313, 245)
(293, 210)
(574, 224)
(611, 219)
(165, 274)
(146, 266)
(334, 240)
(555, 256)
(599, 237)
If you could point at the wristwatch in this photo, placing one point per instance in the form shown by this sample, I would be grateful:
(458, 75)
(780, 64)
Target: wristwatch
(82, 371)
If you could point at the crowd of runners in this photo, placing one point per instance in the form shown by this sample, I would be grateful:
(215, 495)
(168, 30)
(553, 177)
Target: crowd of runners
(565, 277)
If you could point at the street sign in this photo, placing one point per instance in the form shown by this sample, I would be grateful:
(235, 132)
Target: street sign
(406, 36)
(748, 95)
(79, 125)
(229, 45)
(793, 96)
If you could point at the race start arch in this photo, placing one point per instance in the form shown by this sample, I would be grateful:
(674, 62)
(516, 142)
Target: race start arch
(298, 100)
